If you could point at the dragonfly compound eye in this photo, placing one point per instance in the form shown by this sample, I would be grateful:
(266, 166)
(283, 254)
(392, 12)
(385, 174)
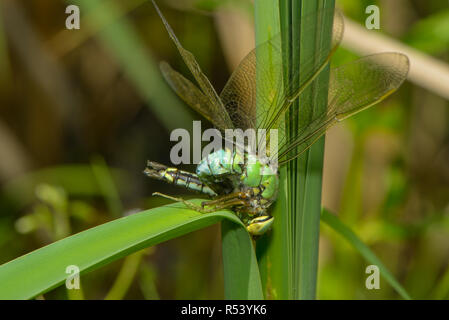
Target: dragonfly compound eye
(260, 225)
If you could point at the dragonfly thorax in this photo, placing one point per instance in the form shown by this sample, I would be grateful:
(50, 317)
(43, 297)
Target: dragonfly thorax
(246, 174)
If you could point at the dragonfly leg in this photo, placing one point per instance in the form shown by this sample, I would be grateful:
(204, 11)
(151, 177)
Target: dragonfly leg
(188, 204)
(217, 204)
(224, 204)
(232, 196)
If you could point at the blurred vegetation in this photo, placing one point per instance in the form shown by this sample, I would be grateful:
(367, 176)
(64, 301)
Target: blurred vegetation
(82, 110)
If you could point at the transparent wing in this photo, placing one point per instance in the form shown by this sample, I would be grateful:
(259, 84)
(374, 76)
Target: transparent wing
(220, 117)
(239, 93)
(191, 95)
(353, 87)
(256, 96)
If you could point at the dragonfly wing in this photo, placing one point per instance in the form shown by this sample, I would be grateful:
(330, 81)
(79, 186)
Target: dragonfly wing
(255, 96)
(353, 87)
(191, 95)
(206, 87)
(364, 82)
(239, 94)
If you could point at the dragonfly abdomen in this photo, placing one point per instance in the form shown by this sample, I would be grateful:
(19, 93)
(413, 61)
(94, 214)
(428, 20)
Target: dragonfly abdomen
(178, 177)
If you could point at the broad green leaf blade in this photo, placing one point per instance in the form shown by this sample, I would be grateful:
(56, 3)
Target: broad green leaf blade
(288, 256)
(305, 174)
(332, 221)
(241, 272)
(272, 252)
(45, 268)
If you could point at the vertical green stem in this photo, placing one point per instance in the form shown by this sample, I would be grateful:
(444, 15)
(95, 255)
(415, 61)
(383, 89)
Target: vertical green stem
(306, 206)
(289, 256)
(272, 250)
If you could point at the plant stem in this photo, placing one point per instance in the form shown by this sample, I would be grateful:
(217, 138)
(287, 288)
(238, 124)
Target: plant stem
(289, 258)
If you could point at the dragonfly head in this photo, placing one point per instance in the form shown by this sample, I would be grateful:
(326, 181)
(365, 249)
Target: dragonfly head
(259, 225)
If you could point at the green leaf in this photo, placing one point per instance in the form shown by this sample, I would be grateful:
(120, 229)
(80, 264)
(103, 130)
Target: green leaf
(272, 250)
(332, 221)
(305, 173)
(289, 258)
(241, 272)
(41, 270)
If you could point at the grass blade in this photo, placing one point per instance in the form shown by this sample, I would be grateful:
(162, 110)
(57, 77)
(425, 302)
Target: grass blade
(305, 173)
(241, 272)
(272, 250)
(98, 246)
(332, 221)
(289, 258)
(125, 277)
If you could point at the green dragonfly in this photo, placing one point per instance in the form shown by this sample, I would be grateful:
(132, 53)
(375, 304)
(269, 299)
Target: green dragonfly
(257, 97)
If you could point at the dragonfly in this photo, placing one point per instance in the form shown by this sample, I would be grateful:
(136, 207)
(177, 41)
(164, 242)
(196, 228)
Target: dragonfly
(257, 96)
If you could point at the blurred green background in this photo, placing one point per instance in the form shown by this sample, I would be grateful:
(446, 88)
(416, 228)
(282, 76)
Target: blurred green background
(82, 110)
